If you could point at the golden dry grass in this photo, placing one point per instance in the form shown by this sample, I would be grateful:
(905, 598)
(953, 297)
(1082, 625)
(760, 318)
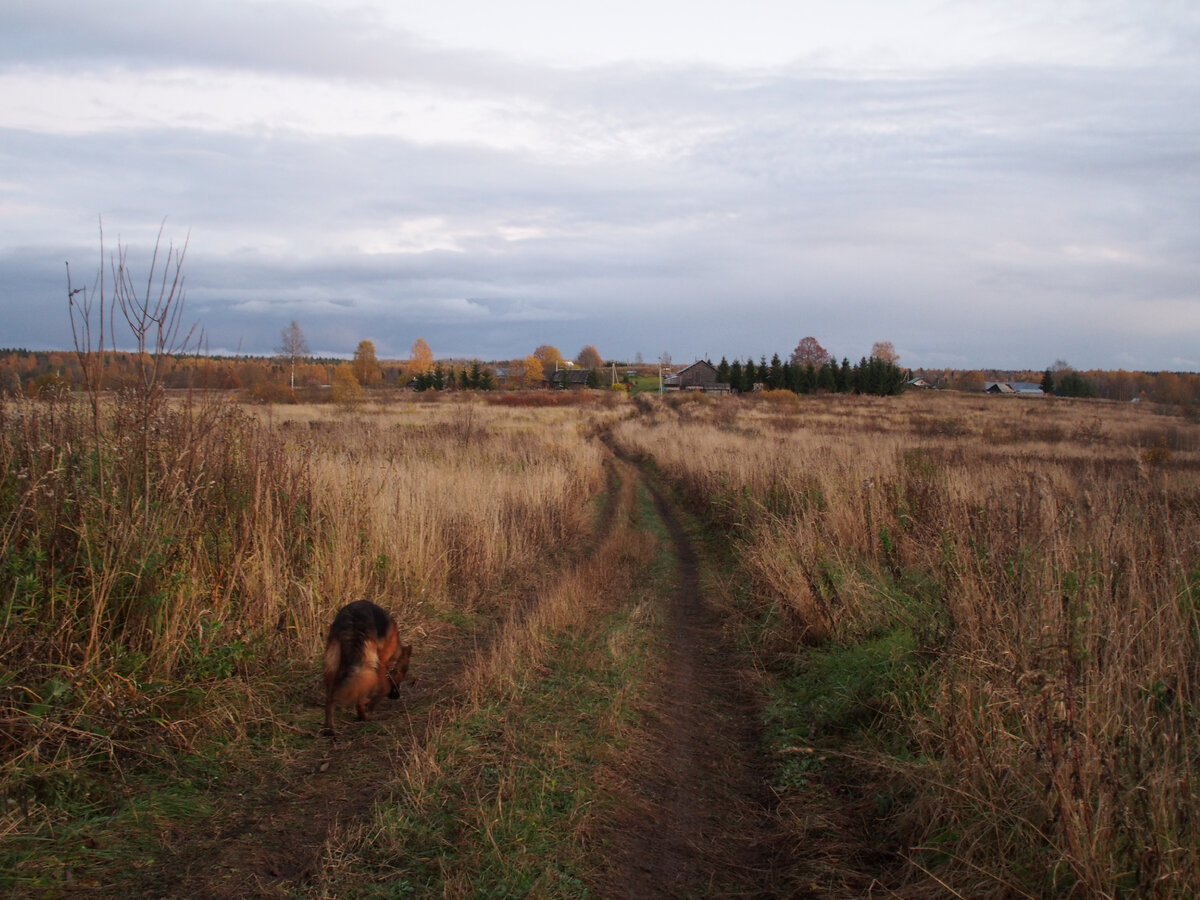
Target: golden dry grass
(131, 629)
(1045, 557)
(1040, 557)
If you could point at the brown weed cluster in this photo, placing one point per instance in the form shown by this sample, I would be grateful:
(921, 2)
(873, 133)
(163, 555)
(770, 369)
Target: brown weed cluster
(1041, 559)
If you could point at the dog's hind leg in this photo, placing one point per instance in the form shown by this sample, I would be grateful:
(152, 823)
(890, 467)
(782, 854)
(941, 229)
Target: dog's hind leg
(333, 658)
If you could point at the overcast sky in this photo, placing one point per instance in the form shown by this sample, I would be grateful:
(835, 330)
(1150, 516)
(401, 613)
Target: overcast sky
(985, 183)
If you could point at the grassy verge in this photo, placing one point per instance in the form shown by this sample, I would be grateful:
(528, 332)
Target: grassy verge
(103, 808)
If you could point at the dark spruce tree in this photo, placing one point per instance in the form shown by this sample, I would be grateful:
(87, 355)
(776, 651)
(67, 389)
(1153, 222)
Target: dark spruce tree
(878, 376)
(774, 377)
(735, 375)
(807, 379)
(750, 375)
(845, 378)
(827, 377)
(1072, 384)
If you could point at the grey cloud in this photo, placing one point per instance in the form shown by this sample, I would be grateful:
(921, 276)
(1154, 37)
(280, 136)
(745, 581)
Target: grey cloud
(982, 215)
(138, 33)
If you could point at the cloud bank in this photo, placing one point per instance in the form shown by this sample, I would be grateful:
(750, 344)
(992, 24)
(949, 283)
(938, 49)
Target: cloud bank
(1024, 193)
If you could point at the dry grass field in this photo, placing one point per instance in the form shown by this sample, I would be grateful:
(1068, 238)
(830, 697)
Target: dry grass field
(978, 616)
(161, 594)
(1000, 598)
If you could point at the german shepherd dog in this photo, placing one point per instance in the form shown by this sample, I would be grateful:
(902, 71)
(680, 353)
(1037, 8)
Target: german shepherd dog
(363, 658)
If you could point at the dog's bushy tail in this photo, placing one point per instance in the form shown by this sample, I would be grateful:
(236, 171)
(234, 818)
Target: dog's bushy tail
(343, 653)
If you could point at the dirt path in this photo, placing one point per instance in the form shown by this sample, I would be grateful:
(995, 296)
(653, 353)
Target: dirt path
(699, 820)
(708, 823)
(704, 825)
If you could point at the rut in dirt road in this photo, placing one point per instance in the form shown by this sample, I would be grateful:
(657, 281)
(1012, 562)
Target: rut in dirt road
(704, 824)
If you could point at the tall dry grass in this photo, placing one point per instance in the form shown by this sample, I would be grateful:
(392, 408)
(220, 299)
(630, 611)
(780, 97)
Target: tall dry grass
(139, 621)
(1043, 558)
(431, 506)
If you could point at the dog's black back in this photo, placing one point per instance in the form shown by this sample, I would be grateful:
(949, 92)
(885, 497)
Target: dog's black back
(355, 624)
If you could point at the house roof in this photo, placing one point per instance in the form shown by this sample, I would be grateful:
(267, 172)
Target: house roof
(699, 362)
(1012, 387)
(571, 376)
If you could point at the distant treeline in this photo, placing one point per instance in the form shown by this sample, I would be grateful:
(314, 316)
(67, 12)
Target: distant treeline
(270, 378)
(1174, 388)
(265, 378)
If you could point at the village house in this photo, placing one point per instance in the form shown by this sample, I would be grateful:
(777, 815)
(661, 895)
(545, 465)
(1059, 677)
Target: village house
(699, 376)
(570, 378)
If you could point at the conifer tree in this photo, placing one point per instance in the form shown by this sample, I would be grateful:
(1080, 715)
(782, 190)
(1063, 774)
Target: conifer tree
(723, 371)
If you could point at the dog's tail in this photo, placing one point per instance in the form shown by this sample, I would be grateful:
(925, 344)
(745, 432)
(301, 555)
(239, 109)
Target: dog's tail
(333, 660)
(343, 652)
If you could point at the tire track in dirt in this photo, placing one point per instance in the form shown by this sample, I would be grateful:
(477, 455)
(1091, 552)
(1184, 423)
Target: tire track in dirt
(267, 834)
(700, 821)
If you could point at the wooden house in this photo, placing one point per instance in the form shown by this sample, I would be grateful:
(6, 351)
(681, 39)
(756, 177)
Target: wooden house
(570, 378)
(699, 376)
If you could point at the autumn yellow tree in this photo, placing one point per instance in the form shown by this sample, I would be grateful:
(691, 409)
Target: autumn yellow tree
(365, 365)
(420, 360)
(589, 358)
(885, 351)
(549, 357)
(1167, 388)
(346, 389)
(531, 371)
(969, 381)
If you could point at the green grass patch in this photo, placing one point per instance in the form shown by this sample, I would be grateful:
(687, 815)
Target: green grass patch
(129, 766)
(838, 696)
(79, 827)
(509, 806)
(643, 384)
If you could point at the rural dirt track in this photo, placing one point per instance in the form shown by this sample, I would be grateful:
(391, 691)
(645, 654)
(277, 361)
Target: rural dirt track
(698, 819)
(703, 825)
